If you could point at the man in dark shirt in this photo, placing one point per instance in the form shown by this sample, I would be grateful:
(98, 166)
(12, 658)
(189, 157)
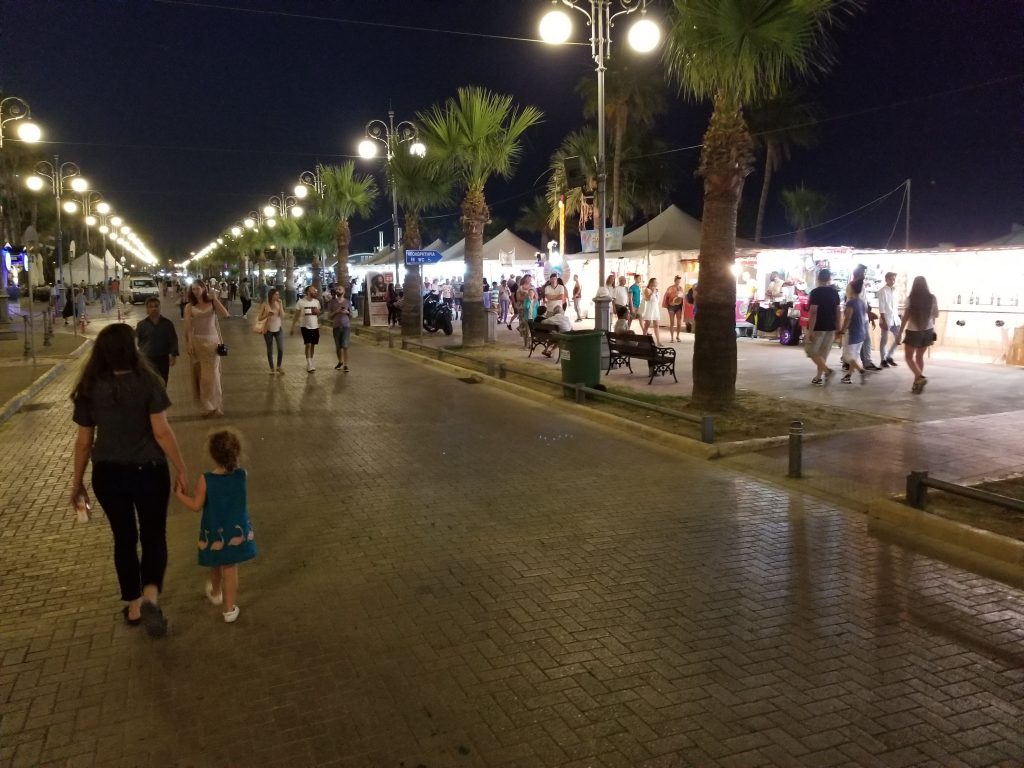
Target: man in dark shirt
(158, 341)
(822, 323)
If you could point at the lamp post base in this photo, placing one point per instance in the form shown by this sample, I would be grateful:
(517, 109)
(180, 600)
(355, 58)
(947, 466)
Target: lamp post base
(602, 304)
(6, 329)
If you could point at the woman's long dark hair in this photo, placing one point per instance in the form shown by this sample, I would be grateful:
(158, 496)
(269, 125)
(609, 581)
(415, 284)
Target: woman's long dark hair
(192, 297)
(919, 302)
(114, 350)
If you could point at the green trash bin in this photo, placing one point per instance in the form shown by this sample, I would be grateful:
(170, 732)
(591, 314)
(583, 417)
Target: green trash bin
(581, 357)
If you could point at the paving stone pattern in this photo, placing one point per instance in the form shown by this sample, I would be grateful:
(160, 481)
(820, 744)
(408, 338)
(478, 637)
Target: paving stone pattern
(451, 576)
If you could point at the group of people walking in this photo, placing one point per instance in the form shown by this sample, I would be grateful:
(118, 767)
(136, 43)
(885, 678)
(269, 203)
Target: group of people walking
(831, 318)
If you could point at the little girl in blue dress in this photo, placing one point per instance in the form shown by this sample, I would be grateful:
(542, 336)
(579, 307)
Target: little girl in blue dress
(225, 533)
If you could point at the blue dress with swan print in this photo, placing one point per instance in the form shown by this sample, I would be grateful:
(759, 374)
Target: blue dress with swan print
(225, 532)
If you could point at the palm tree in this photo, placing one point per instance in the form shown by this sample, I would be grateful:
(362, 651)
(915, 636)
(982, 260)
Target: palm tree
(735, 53)
(477, 136)
(346, 194)
(779, 124)
(805, 208)
(633, 96)
(420, 183)
(316, 235)
(581, 144)
(535, 216)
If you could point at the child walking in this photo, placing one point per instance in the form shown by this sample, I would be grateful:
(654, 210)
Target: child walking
(225, 532)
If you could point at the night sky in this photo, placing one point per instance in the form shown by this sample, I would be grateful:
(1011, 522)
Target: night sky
(187, 117)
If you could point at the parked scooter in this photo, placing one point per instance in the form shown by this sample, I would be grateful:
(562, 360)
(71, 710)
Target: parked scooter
(437, 316)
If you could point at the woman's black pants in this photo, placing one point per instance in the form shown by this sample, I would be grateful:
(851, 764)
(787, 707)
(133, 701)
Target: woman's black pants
(134, 498)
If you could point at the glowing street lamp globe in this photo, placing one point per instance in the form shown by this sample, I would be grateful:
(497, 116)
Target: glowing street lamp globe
(271, 223)
(102, 208)
(79, 184)
(644, 36)
(269, 210)
(236, 231)
(301, 191)
(90, 221)
(117, 221)
(29, 132)
(418, 148)
(555, 27)
(249, 223)
(70, 206)
(296, 211)
(367, 148)
(104, 229)
(35, 183)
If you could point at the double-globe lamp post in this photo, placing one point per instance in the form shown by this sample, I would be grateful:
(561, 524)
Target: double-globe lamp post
(283, 206)
(389, 135)
(644, 36)
(14, 109)
(59, 175)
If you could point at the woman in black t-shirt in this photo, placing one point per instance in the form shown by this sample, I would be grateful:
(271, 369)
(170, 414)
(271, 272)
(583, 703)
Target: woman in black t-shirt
(120, 406)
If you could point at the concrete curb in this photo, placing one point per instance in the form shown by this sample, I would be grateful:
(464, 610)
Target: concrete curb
(13, 405)
(985, 552)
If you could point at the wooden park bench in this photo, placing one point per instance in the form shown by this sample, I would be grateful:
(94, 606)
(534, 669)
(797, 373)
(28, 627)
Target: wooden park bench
(540, 335)
(623, 347)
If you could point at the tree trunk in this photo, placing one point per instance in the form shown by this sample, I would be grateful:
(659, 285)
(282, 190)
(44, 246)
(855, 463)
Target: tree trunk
(725, 161)
(317, 270)
(474, 217)
(342, 237)
(620, 134)
(289, 276)
(412, 302)
(770, 162)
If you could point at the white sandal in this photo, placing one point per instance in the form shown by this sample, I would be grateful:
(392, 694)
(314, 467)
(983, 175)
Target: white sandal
(215, 599)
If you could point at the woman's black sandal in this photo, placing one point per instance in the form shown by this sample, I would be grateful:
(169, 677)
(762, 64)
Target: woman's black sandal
(153, 619)
(130, 622)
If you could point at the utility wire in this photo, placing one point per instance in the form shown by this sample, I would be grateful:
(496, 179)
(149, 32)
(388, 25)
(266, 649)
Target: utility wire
(877, 200)
(359, 22)
(903, 202)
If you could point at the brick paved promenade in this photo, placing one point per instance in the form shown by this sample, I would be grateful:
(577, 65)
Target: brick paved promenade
(450, 576)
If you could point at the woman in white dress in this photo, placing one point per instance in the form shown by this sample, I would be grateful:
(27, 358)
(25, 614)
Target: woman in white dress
(650, 310)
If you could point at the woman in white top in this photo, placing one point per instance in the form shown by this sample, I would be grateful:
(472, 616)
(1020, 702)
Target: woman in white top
(650, 309)
(272, 314)
(202, 336)
(918, 321)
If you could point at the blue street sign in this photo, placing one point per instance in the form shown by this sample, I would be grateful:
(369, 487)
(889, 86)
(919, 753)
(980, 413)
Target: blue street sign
(422, 257)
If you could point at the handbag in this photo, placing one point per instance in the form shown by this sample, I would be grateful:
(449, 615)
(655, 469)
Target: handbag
(222, 348)
(260, 326)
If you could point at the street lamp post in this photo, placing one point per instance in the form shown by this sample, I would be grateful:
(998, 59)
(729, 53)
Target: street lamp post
(58, 174)
(390, 135)
(90, 201)
(14, 109)
(643, 36)
(314, 180)
(284, 206)
(103, 216)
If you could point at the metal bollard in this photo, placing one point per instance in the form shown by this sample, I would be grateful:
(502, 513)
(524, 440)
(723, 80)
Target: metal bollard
(391, 341)
(796, 448)
(502, 371)
(707, 428)
(581, 397)
(28, 341)
(917, 491)
(490, 368)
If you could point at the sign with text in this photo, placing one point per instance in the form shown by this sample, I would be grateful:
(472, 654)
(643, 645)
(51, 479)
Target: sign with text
(612, 239)
(421, 257)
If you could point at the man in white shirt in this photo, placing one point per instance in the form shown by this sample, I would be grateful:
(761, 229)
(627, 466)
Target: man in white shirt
(554, 294)
(307, 311)
(620, 298)
(556, 317)
(889, 319)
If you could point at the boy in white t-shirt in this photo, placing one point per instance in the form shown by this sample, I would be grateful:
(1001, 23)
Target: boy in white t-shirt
(307, 311)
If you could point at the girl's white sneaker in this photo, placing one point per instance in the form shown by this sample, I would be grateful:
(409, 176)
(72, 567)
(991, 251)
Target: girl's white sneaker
(230, 617)
(216, 599)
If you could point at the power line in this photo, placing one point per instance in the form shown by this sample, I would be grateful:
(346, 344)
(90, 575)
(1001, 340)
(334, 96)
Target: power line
(358, 22)
(876, 201)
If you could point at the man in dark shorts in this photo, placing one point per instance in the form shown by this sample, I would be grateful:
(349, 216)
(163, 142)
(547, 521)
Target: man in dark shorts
(307, 312)
(822, 323)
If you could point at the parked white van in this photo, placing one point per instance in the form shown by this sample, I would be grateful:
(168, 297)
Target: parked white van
(138, 288)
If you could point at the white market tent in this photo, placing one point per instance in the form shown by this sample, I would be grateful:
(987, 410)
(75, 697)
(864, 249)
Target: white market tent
(89, 267)
(1014, 238)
